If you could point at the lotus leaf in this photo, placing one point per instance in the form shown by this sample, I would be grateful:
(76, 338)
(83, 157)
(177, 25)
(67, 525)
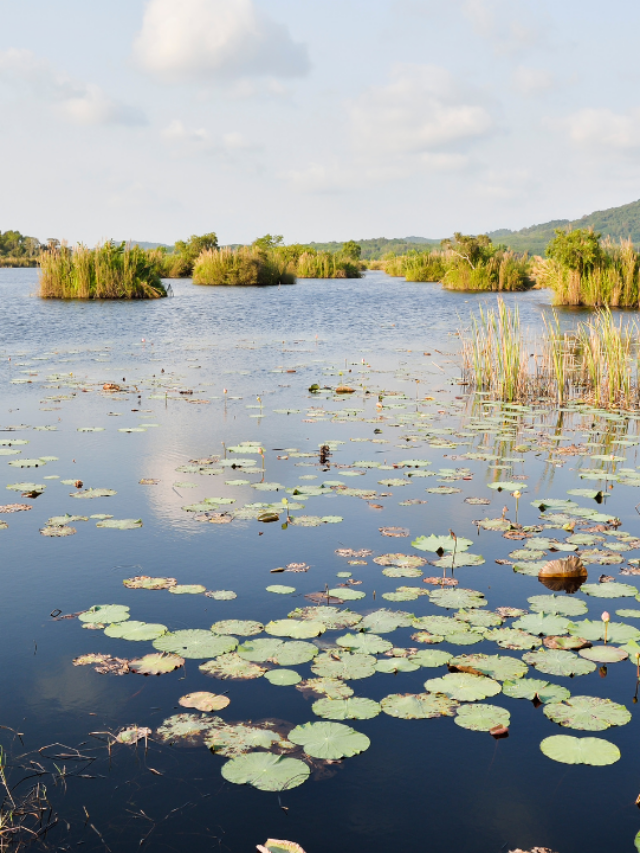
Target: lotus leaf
(105, 613)
(334, 688)
(121, 524)
(132, 630)
(481, 717)
(501, 524)
(498, 667)
(386, 621)
(283, 677)
(587, 713)
(505, 486)
(195, 643)
(94, 493)
(557, 605)
(463, 686)
(479, 618)
(418, 706)
(370, 644)
(203, 701)
(27, 488)
(396, 664)
(330, 741)
(558, 662)
(346, 593)
(332, 618)
(609, 590)
(604, 654)
(535, 688)
(538, 623)
(261, 650)
(398, 572)
(617, 632)
(299, 629)
(355, 708)
(344, 665)
(513, 638)
(266, 772)
(628, 613)
(242, 627)
(457, 598)
(280, 589)
(189, 728)
(231, 666)
(146, 582)
(439, 624)
(586, 750)
(430, 658)
(221, 594)
(156, 664)
(441, 543)
(403, 561)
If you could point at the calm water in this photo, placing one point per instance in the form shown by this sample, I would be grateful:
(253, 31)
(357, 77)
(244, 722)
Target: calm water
(423, 784)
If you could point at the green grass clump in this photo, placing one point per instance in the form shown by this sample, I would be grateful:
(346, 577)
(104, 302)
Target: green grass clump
(110, 271)
(312, 264)
(243, 267)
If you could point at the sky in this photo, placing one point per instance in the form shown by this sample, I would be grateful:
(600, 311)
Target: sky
(157, 119)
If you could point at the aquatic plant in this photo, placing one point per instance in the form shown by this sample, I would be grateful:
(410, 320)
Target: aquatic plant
(243, 267)
(110, 271)
(312, 264)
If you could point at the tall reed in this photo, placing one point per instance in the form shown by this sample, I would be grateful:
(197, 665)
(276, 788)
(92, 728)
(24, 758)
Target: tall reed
(243, 267)
(327, 265)
(110, 271)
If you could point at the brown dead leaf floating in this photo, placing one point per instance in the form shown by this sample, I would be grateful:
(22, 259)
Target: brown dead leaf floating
(15, 507)
(395, 532)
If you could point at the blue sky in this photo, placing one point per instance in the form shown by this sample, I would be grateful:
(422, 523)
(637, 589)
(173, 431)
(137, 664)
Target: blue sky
(156, 119)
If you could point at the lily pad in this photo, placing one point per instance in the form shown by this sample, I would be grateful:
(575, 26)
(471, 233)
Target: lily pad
(482, 717)
(146, 582)
(156, 664)
(344, 665)
(266, 772)
(457, 598)
(538, 623)
(430, 658)
(586, 750)
(557, 605)
(231, 666)
(280, 589)
(463, 686)
(370, 644)
(558, 662)
(535, 688)
(386, 621)
(330, 741)
(132, 630)
(189, 729)
(242, 627)
(513, 638)
(333, 688)
(105, 613)
(196, 644)
(332, 618)
(221, 594)
(299, 629)
(392, 665)
(187, 589)
(418, 706)
(498, 667)
(354, 708)
(441, 543)
(283, 677)
(609, 590)
(120, 524)
(604, 654)
(203, 701)
(587, 713)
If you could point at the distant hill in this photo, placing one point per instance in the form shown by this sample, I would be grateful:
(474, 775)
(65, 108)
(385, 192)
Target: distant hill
(615, 222)
(378, 246)
(144, 245)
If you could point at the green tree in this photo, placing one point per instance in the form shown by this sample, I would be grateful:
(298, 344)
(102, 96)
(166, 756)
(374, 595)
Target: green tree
(269, 241)
(579, 250)
(474, 250)
(351, 249)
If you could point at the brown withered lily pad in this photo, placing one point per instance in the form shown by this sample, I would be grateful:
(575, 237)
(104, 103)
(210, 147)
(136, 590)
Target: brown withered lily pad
(435, 581)
(394, 532)
(133, 734)
(148, 481)
(62, 530)
(104, 664)
(156, 664)
(146, 582)
(569, 643)
(349, 552)
(15, 507)
(203, 701)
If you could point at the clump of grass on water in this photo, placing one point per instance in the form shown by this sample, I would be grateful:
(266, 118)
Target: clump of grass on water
(110, 271)
(245, 266)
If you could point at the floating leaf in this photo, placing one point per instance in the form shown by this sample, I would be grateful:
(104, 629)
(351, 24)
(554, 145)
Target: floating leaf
(481, 717)
(463, 686)
(418, 706)
(332, 618)
(386, 621)
(221, 594)
(370, 644)
(558, 662)
(355, 708)
(344, 665)
(105, 613)
(333, 688)
(299, 629)
(587, 713)
(430, 658)
(513, 638)
(203, 701)
(402, 561)
(94, 493)
(187, 728)
(609, 590)
(242, 627)
(195, 643)
(187, 589)
(346, 593)
(330, 741)
(231, 666)
(499, 667)
(156, 664)
(586, 750)
(283, 677)
(617, 632)
(557, 605)
(280, 589)
(266, 772)
(396, 664)
(132, 630)
(604, 654)
(538, 623)
(535, 688)
(120, 524)
(146, 582)
(441, 543)
(457, 598)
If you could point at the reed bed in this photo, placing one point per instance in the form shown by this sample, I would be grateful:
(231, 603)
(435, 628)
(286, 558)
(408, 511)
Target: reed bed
(327, 265)
(598, 363)
(243, 267)
(110, 271)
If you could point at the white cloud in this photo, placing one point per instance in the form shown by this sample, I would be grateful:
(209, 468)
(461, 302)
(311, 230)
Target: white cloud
(80, 103)
(605, 130)
(532, 81)
(201, 40)
(498, 21)
(421, 111)
(187, 141)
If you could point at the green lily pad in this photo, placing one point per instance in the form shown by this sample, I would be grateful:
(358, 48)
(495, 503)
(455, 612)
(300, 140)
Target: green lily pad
(586, 750)
(535, 688)
(195, 643)
(344, 665)
(204, 701)
(283, 677)
(498, 667)
(402, 561)
(457, 561)
(398, 572)
(185, 728)
(187, 589)
(441, 543)
(330, 741)
(463, 686)
(221, 594)
(386, 621)
(604, 654)
(430, 658)
(332, 618)
(333, 688)
(506, 486)
(105, 613)
(558, 662)
(617, 632)
(231, 666)
(298, 629)
(353, 708)
(479, 618)
(132, 630)
(587, 713)
(557, 605)
(609, 590)
(94, 493)
(159, 663)
(481, 717)
(538, 623)
(242, 627)
(120, 524)
(266, 772)
(418, 706)
(513, 638)
(370, 644)
(27, 488)
(346, 593)
(280, 589)
(393, 665)
(457, 598)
